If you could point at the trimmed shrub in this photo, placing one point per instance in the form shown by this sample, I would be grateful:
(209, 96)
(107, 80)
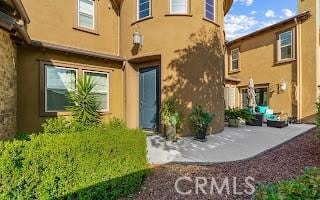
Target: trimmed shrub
(306, 186)
(100, 163)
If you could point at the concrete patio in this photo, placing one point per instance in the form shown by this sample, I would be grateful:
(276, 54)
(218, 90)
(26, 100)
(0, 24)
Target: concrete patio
(230, 145)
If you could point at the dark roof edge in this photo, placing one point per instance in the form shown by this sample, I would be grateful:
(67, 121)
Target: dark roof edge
(303, 15)
(21, 10)
(73, 50)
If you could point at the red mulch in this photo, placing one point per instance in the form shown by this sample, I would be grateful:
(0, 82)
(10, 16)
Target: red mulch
(283, 162)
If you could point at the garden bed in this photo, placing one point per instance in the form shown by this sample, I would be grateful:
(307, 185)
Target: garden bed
(100, 163)
(284, 162)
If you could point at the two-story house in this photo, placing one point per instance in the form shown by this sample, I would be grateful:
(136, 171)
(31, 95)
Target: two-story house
(283, 61)
(139, 52)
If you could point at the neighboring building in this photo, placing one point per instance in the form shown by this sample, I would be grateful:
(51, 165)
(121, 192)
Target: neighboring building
(178, 50)
(283, 60)
(13, 20)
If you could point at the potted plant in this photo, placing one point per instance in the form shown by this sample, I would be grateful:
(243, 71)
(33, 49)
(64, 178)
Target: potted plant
(233, 116)
(200, 121)
(170, 118)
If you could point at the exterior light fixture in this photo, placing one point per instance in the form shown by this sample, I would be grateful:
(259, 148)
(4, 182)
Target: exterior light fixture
(283, 86)
(137, 39)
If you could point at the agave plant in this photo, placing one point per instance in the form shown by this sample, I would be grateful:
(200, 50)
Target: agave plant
(85, 103)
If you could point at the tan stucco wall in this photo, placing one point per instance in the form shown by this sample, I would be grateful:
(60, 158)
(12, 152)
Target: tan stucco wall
(8, 86)
(54, 22)
(309, 58)
(192, 58)
(258, 61)
(29, 119)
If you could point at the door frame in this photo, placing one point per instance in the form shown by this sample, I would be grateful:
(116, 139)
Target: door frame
(146, 67)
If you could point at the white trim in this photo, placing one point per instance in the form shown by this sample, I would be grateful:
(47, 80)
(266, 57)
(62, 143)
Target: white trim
(138, 10)
(280, 47)
(214, 10)
(108, 89)
(45, 85)
(238, 53)
(186, 8)
(93, 15)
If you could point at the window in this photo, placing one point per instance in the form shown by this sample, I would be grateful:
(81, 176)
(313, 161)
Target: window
(58, 81)
(235, 59)
(86, 14)
(59, 78)
(179, 6)
(101, 89)
(209, 9)
(285, 46)
(143, 9)
(261, 97)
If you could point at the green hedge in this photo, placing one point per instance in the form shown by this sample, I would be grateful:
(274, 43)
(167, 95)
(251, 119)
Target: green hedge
(101, 163)
(304, 187)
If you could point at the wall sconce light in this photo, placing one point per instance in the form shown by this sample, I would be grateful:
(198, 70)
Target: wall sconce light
(137, 39)
(283, 86)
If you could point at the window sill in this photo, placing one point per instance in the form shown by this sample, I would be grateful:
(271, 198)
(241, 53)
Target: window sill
(55, 114)
(141, 20)
(178, 15)
(234, 71)
(94, 32)
(210, 21)
(285, 61)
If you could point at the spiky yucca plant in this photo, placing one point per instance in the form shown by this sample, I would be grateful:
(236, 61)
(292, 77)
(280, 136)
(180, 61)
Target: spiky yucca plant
(85, 103)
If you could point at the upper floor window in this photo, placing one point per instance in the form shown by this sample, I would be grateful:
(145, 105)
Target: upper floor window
(209, 9)
(143, 9)
(235, 59)
(86, 14)
(179, 6)
(285, 45)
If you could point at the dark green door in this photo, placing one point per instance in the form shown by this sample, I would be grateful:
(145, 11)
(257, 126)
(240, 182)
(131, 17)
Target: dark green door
(149, 98)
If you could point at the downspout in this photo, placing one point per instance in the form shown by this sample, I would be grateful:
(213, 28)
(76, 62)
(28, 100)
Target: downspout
(299, 72)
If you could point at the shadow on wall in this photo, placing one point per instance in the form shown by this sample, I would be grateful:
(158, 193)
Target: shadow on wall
(196, 77)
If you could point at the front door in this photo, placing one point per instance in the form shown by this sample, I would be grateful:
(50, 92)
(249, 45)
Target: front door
(149, 98)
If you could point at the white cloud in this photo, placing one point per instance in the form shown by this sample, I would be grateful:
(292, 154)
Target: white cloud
(253, 12)
(237, 25)
(270, 14)
(288, 12)
(245, 2)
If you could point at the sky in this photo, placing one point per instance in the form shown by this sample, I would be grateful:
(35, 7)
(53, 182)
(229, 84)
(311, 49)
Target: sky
(246, 16)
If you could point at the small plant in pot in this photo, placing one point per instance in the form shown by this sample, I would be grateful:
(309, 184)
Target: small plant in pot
(170, 118)
(200, 121)
(233, 116)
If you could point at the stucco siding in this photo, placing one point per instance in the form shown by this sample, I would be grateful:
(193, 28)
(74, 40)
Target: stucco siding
(192, 58)
(258, 60)
(55, 22)
(29, 119)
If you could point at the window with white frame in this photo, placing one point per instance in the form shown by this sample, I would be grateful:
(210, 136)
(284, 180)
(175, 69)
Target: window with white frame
(101, 89)
(58, 82)
(179, 6)
(143, 9)
(210, 9)
(285, 50)
(235, 59)
(86, 14)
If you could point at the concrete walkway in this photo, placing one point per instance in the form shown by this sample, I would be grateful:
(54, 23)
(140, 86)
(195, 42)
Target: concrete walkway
(231, 145)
